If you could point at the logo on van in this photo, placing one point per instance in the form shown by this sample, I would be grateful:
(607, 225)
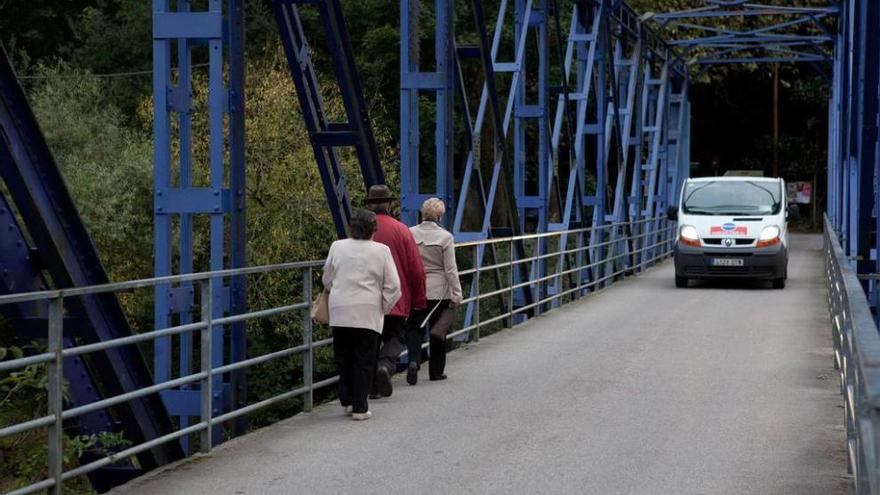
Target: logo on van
(728, 229)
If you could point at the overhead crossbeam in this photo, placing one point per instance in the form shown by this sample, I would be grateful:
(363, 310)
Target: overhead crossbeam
(713, 44)
(752, 10)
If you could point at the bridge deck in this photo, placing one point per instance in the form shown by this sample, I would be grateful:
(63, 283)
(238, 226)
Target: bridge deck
(723, 389)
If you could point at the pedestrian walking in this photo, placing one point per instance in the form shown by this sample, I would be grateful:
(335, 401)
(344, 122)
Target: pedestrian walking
(408, 261)
(363, 284)
(443, 288)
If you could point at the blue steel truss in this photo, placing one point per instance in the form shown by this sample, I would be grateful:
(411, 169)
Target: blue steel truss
(57, 245)
(606, 145)
(178, 199)
(853, 158)
(581, 163)
(601, 146)
(21, 270)
(325, 135)
(775, 33)
(580, 119)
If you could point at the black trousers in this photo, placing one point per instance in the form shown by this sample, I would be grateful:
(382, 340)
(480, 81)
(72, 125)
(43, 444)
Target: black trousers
(392, 342)
(415, 335)
(355, 352)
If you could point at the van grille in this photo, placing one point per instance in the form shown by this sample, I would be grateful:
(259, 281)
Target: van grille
(728, 270)
(717, 241)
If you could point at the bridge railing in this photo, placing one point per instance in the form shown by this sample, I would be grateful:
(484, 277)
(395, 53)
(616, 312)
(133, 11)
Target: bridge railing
(599, 256)
(857, 356)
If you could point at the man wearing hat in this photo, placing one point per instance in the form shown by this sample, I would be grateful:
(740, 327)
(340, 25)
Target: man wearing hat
(408, 261)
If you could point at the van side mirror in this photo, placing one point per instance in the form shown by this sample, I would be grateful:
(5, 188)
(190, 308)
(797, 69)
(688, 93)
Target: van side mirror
(793, 213)
(672, 213)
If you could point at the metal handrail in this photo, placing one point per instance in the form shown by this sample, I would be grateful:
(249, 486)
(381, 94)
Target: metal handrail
(857, 356)
(642, 255)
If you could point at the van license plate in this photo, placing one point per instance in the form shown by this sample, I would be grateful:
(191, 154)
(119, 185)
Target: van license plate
(728, 262)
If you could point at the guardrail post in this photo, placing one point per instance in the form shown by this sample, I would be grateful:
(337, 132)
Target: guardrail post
(476, 283)
(207, 400)
(308, 398)
(560, 268)
(56, 394)
(510, 280)
(582, 258)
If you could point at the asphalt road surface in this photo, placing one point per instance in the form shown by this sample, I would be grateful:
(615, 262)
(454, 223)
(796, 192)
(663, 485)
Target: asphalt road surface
(723, 388)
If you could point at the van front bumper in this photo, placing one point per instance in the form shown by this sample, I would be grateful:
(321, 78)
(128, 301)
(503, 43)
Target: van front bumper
(758, 263)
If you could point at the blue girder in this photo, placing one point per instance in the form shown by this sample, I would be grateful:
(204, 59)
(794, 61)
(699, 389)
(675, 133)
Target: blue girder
(569, 117)
(325, 135)
(176, 198)
(786, 34)
(853, 158)
(63, 248)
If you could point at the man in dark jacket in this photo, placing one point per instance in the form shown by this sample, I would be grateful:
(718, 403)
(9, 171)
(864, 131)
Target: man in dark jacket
(408, 261)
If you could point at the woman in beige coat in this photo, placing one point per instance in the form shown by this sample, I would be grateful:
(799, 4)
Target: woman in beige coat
(443, 290)
(364, 286)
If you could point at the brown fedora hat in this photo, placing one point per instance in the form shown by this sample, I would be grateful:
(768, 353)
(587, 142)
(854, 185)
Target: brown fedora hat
(379, 193)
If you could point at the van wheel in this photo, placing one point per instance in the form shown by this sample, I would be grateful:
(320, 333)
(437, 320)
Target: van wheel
(779, 283)
(681, 282)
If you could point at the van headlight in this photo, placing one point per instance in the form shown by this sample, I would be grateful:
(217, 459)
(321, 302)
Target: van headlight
(688, 236)
(769, 236)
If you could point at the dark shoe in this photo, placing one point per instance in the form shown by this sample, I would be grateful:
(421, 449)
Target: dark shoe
(374, 396)
(383, 382)
(412, 373)
(438, 378)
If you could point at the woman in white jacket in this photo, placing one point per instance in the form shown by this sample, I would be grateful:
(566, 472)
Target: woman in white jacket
(364, 286)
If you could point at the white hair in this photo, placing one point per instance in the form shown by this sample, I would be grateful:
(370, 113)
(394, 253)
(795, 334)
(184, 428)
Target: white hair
(433, 209)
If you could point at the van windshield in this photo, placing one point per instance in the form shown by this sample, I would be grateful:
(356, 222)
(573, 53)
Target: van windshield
(732, 198)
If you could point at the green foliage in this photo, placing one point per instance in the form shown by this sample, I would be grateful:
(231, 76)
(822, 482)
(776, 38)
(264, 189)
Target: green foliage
(23, 26)
(23, 396)
(99, 444)
(106, 164)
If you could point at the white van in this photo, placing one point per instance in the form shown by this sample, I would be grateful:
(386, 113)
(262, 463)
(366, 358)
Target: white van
(732, 227)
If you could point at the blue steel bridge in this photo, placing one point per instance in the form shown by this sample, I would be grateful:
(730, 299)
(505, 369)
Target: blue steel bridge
(606, 379)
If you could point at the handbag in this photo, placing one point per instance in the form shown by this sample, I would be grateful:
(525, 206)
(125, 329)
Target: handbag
(321, 308)
(441, 327)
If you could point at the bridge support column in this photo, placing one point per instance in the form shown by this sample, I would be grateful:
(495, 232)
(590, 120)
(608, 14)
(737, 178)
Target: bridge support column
(218, 34)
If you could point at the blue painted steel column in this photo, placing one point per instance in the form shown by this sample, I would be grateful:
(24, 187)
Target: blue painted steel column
(409, 110)
(598, 235)
(835, 121)
(238, 217)
(531, 160)
(176, 197)
(161, 181)
(853, 137)
(441, 82)
(866, 137)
